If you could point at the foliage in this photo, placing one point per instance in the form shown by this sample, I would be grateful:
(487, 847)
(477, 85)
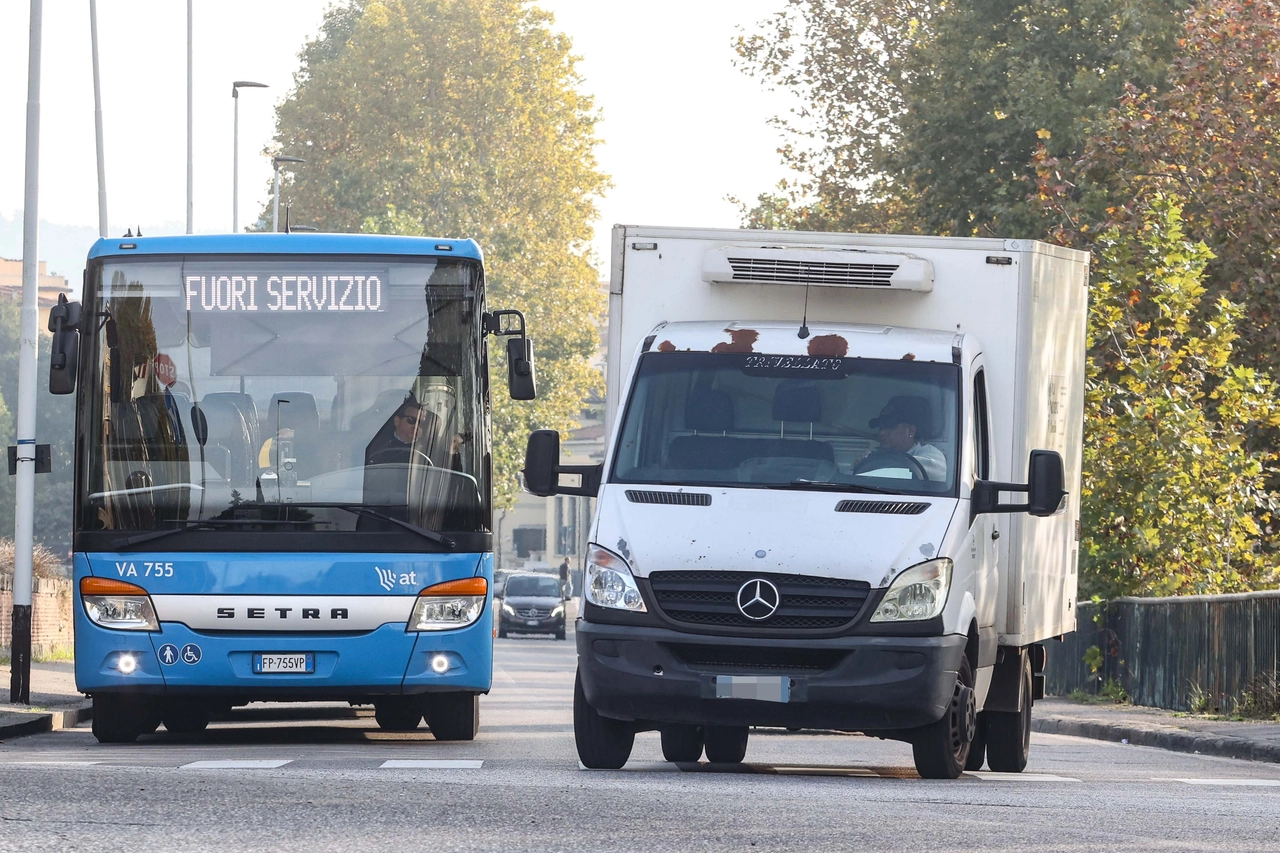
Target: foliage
(44, 563)
(925, 115)
(1210, 135)
(1173, 500)
(463, 118)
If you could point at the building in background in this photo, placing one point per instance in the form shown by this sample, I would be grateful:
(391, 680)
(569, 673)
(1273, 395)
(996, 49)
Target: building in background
(50, 286)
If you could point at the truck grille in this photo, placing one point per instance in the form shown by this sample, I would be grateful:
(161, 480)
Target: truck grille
(711, 599)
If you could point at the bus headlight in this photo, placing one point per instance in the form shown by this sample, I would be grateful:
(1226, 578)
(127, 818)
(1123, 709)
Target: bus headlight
(118, 605)
(448, 605)
(919, 592)
(610, 583)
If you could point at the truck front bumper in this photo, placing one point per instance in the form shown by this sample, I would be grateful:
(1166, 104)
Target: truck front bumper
(858, 683)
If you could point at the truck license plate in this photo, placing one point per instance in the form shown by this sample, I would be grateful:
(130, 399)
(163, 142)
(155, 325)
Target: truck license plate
(762, 688)
(268, 662)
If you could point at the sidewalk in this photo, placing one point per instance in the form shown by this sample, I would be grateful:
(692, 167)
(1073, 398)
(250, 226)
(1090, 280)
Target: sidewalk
(55, 702)
(1254, 741)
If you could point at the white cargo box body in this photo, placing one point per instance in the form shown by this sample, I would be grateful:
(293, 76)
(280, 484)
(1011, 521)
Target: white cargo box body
(1025, 301)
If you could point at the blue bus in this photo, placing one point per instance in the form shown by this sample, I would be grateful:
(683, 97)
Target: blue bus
(283, 476)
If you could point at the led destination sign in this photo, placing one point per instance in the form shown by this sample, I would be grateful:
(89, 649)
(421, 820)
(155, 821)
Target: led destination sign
(248, 291)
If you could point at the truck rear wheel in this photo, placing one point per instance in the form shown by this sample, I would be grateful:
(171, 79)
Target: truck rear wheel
(397, 713)
(941, 749)
(119, 719)
(726, 744)
(1009, 732)
(978, 748)
(455, 716)
(603, 743)
(682, 743)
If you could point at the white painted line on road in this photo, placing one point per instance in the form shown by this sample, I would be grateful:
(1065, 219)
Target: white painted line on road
(50, 763)
(1251, 783)
(992, 776)
(236, 764)
(432, 764)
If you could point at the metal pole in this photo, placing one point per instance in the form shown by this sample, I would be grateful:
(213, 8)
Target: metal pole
(235, 164)
(275, 210)
(97, 121)
(191, 209)
(24, 497)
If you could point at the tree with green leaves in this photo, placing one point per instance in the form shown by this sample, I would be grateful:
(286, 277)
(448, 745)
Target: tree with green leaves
(463, 118)
(1174, 502)
(925, 115)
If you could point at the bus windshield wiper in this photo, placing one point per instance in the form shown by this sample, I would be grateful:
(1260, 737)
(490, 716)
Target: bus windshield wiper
(830, 487)
(189, 525)
(361, 509)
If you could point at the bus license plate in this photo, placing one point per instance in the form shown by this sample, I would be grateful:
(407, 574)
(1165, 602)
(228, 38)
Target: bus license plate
(268, 662)
(762, 688)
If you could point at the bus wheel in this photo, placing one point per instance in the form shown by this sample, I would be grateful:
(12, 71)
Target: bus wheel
(455, 716)
(726, 744)
(942, 749)
(1009, 732)
(682, 743)
(117, 719)
(186, 718)
(397, 713)
(603, 743)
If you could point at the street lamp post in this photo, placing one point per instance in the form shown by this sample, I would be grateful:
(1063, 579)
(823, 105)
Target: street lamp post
(275, 168)
(235, 150)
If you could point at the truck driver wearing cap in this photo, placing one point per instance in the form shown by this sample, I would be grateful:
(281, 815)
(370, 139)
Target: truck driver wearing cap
(901, 423)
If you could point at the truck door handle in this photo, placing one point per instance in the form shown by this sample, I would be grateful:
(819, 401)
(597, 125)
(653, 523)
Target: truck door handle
(995, 534)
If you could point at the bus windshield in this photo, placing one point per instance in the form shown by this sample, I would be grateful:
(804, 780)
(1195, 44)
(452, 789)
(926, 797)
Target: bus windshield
(296, 394)
(796, 422)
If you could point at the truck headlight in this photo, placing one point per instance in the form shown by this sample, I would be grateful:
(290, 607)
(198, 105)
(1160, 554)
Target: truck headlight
(919, 592)
(118, 605)
(610, 583)
(448, 605)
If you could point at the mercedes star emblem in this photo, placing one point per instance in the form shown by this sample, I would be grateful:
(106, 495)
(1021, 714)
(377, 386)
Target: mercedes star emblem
(758, 599)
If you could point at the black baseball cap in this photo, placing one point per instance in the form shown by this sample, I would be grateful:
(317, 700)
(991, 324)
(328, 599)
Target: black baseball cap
(905, 410)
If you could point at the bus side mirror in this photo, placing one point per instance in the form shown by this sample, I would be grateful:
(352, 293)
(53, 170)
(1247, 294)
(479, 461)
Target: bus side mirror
(542, 469)
(1044, 490)
(521, 377)
(64, 354)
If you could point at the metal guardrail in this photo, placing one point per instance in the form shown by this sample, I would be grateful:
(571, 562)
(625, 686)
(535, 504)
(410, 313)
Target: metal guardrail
(1162, 650)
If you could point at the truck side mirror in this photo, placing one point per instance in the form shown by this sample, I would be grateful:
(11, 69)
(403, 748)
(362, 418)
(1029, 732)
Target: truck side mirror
(64, 354)
(542, 469)
(1044, 488)
(1045, 480)
(521, 377)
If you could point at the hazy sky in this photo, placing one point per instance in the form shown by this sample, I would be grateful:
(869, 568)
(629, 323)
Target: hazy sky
(682, 128)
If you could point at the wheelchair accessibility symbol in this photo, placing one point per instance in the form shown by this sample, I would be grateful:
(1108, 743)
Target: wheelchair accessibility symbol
(168, 654)
(191, 653)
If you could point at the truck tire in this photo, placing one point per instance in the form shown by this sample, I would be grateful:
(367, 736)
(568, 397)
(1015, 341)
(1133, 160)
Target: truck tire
(603, 744)
(455, 716)
(726, 744)
(118, 719)
(189, 717)
(682, 743)
(941, 749)
(978, 748)
(1009, 732)
(397, 713)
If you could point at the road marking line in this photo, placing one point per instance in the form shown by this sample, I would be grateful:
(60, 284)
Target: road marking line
(992, 776)
(1254, 783)
(431, 764)
(236, 764)
(51, 763)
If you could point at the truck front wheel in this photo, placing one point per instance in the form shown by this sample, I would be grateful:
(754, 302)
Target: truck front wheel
(941, 749)
(1009, 732)
(603, 744)
(726, 744)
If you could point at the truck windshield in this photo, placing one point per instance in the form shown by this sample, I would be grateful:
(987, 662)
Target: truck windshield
(289, 394)
(791, 422)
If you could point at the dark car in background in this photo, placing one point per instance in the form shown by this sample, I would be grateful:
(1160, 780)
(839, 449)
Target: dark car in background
(532, 604)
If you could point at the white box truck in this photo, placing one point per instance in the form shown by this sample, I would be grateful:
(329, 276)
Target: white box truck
(841, 492)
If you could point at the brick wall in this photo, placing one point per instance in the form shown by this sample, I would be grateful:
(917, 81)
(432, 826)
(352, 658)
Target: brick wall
(51, 622)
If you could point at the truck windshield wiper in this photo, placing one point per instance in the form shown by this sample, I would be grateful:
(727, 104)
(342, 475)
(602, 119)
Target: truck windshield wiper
(203, 524)
(361, 509)
(830, 487)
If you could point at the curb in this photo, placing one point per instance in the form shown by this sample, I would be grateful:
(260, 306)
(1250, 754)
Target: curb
(39, 722)
(1161, 737)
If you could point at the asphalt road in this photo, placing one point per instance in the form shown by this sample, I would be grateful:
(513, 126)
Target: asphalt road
(265, 783)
